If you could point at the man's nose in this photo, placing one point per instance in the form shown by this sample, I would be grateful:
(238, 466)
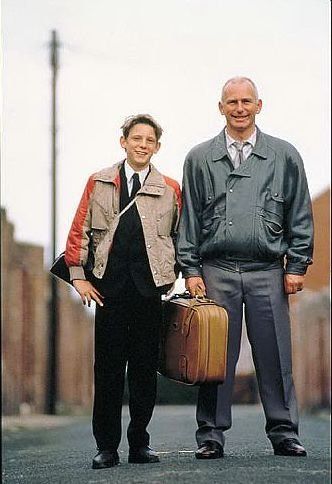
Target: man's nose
(143, 142)
(239, 106)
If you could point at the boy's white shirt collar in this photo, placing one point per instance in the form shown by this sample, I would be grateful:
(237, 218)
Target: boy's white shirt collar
(130, 172)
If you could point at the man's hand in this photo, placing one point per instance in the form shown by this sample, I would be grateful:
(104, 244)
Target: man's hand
(293, 283)
(87, 292)
(195, 286)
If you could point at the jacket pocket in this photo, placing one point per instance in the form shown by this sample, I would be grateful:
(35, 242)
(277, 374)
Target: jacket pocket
(212, 234)
(270, 234)
(99, 216)
(164, 223)
(99, 224)
(278, 198)
(275, 203)
(272, 222)
(209, 226)
(97, 236)
(164, 259)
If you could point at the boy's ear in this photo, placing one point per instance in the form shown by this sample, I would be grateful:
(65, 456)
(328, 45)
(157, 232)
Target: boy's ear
(123, 142)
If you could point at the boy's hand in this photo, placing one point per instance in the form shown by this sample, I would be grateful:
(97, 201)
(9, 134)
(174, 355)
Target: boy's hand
(87, 292)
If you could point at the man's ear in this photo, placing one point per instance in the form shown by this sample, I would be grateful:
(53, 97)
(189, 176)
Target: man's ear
(157, 147)
(259, 106)
(220, 107)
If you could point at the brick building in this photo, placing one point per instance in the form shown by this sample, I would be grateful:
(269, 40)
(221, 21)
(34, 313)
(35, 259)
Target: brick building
(25, 302)
(311, 314)
(318, 276)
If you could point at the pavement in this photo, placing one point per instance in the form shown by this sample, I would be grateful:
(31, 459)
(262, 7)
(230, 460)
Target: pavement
(44, 449)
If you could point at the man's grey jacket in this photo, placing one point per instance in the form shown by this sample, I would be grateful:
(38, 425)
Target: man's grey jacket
(260, 211)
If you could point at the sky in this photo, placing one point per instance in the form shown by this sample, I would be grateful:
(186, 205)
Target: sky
(167, 58)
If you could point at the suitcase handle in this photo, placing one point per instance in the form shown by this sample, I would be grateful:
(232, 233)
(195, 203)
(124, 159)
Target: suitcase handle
(187, 295)
(183, 295)
(204, 299)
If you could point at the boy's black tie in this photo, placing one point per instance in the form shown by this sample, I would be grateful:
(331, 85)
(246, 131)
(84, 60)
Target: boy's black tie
(136, 185)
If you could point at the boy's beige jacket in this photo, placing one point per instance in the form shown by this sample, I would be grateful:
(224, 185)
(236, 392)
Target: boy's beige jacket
(96, 219)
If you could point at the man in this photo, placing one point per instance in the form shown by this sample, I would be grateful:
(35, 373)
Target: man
(246, 239)
(134, 260)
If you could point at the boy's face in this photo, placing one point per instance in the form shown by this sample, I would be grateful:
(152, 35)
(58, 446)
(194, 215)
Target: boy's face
(140, 145)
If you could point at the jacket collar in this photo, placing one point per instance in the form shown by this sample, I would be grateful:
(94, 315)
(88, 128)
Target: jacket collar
(154, 183)
(219, 148)
(110, 174)
(260, 148)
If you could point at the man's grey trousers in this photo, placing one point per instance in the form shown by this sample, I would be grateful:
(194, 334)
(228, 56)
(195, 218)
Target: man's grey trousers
(261, 293)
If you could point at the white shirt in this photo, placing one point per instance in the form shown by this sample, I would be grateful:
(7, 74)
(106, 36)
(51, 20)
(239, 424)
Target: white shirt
(247, 148)
(130, 172)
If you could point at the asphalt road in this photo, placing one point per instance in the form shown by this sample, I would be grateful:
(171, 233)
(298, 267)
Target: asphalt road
(59, 450)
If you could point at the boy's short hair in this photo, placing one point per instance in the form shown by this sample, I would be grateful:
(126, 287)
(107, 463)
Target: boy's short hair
(131, 121)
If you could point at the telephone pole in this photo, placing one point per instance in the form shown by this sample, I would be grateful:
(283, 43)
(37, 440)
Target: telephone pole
(53, 322)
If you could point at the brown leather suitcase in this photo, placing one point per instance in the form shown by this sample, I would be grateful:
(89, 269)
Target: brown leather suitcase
(193, 346)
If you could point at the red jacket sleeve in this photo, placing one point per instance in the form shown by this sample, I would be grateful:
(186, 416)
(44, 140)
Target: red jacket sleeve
(77, 246)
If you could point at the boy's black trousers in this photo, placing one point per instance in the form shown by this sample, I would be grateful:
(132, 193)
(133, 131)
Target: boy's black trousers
(126, 334)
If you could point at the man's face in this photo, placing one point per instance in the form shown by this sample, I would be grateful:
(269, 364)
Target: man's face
(240, 107)
(140, 145)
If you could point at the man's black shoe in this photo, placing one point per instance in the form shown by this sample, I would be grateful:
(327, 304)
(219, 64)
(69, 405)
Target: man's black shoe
(142, 455)
(210, 449)
(104, 459)
(290, 447)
